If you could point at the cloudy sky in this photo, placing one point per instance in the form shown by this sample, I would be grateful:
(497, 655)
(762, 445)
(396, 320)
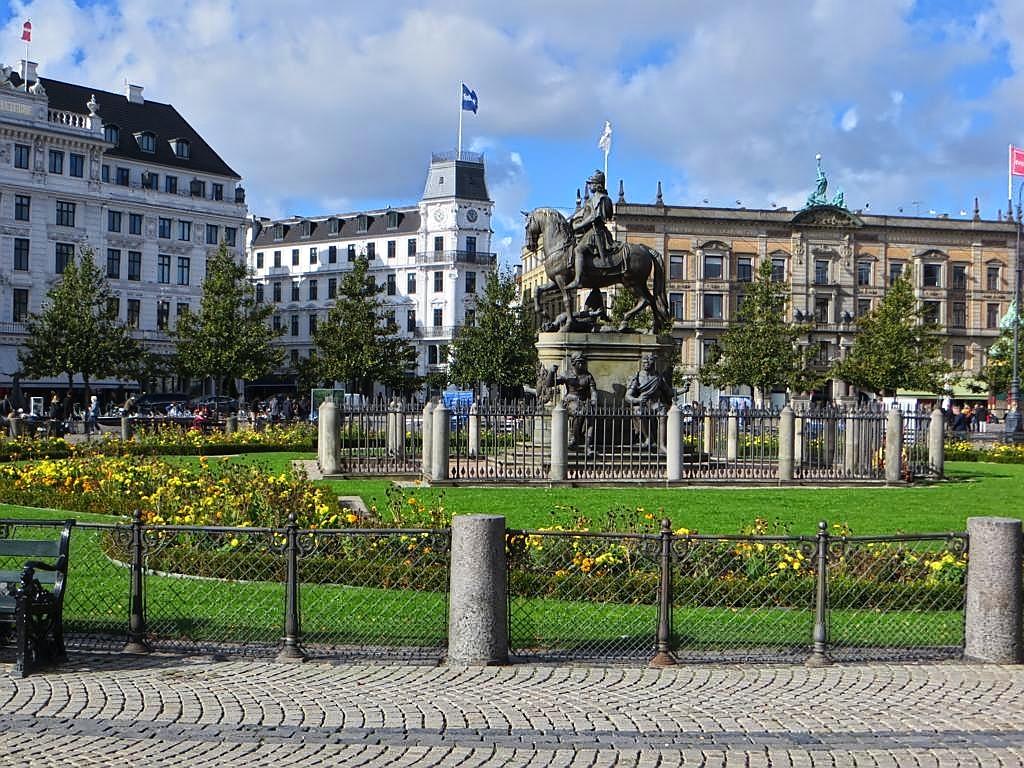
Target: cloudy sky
(332, 105)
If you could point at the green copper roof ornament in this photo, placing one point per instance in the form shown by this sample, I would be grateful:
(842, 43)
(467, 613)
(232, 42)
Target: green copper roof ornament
(819, 196)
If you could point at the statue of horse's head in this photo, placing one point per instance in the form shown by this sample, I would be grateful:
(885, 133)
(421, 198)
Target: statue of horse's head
(539, 221)
(533, 228)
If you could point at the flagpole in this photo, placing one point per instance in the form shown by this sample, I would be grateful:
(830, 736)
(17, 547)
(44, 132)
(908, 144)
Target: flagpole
(1009, 183)
(458, 148)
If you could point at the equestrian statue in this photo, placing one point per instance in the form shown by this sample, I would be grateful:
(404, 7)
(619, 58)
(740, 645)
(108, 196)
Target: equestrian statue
(579, 252)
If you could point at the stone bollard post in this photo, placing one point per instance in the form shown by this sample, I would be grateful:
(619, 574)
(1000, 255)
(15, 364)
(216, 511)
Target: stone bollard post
(674, 444)
(478, 597)
(992, 618)
(893, 446)
(427, 430)
(559, 443)
(400, 428)
(126, 429)
(709, 434)
(798, 440)
(327, 438)
(474, 430)
(936, 443)
(231, 424)
(441, 448)
(391, 425)
(850, 430)
(732, 444)
(786, 424)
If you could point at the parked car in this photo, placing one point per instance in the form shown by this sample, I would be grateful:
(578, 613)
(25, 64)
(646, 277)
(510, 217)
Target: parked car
(220, 404)
(157, 403)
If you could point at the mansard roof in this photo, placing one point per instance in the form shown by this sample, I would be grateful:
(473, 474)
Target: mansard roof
(348, 228)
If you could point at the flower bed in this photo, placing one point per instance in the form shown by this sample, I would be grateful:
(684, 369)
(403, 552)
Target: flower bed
(999, 453)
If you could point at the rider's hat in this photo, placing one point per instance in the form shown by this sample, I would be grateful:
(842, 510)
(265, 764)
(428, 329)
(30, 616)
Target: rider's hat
(596, 179)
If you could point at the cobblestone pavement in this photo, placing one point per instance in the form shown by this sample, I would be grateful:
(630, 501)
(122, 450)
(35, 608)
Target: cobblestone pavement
(171, 711)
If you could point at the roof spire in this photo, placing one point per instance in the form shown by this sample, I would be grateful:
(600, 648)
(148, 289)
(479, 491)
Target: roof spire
(659, 200)
(622, 193)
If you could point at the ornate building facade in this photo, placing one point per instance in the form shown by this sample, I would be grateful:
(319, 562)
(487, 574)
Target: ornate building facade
(431, 258)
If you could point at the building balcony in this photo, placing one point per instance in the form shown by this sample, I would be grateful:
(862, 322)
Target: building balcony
(13, 328)
(457, 257)
(436, 331)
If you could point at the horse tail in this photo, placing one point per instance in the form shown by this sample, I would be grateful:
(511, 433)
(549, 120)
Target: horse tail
(660, 301)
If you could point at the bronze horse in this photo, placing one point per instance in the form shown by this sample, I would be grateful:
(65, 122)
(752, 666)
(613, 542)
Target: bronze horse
(635, 264)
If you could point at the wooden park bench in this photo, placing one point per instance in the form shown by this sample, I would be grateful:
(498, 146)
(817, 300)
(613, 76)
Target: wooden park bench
(32, 600)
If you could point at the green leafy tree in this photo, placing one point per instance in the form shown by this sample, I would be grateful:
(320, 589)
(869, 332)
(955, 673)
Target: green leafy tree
(500, 348)
(624, 301)
(896, 347)
(354, 346)
(78, 331)
(229, 337)
(761, 349)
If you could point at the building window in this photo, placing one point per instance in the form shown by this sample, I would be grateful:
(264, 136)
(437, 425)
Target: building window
(184, 269)
(713, 266)
(745, 269)
(959, 315)
(212, 234)
(114, 307)
(332, 254)
(432, 354)
(470, 317)
(392, 287)
(709, 351)
(863, 307)
(259, 260)
(675, 265)
(182, 149)
(332, 288)
(217, 191)
(134, 223)
(259, 293)
(821, 271)
(411, 284)
(21, 254)
(64, 253)
(294, 325)
(295, 290)
(182, 308)
(863, 273)
(134, 265)
(932, 312)
(113, 221)
(20, 313)
(312, 325)
(22, 207)
(22, 153)
(958, 280)
(150, 180)
(778, 269)
(992, 278)
(991, 316)
(391, 249)
(185, 230)
(959, 355)
(362, 223)
(312, 290)
(471, 244)
(895, 271)
(164, 229)
(76, 165)
(56, 161)
(163, 314)
(438, 317)
(105, 173)
(163, 268)
(147, 141)
(123, 177)
(171, 185)
(675, 305)
(351, 252)
(471, 282)
(410, 320)
(231, 236)
(438, 244)
(277, 258)
(932, 275)
(410, 247)
(276, 322)
(65, 214)
(392, 220)
(712, 306)
(821, 314)
(295, 257)
(313, 255)
(438, 282)
(371, 250)
(111, 134)
(113, 263)
(277, 293)
(134, 312)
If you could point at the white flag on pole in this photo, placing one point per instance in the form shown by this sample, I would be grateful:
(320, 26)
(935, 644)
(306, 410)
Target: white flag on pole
(605, 142)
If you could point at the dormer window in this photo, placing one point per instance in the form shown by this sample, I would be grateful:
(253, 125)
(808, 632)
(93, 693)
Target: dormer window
(182, 148)
(392, 220)
(362, 223)
(111, 134)
(147, 141)
(332, 226)
(278, 233)
(307, 228)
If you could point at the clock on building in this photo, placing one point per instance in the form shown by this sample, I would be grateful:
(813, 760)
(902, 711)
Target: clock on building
(438, 215)
(471, 215)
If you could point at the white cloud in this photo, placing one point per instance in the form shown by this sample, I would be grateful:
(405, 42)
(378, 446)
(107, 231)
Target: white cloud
(849, 120)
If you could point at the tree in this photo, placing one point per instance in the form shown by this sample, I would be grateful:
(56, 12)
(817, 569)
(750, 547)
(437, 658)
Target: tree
(896, 347)
(500, 348)
(624, 301)
(229, 337)
(354, 346)
(998, 370)
(761, 349)
(78, 330)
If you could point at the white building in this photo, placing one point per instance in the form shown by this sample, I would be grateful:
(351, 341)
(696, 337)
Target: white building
(432, 258)
(128, 177)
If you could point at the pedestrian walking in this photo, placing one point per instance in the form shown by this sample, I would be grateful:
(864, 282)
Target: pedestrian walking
(92, 415)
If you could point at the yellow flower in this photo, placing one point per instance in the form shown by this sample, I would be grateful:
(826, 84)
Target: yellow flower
(351, 519)
(234, 542)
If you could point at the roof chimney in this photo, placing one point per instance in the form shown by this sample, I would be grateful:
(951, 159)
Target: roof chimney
(133, 93)
(28, 72)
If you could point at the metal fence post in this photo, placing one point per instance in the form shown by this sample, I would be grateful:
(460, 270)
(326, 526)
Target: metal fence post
(136, 601)
(291, 650)
(664, 657)
(893, 446)
(936, 445)
(819, 649)
(786, 423)
(427, 428)
(674, 444)
(440, 436)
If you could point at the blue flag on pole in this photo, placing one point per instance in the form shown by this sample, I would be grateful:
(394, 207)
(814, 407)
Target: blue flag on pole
(469, 101)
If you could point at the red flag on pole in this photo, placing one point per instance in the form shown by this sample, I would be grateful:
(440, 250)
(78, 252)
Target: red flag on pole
(1016, 161)
(26, 31)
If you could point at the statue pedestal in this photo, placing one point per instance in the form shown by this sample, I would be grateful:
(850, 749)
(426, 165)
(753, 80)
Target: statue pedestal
(613, 358)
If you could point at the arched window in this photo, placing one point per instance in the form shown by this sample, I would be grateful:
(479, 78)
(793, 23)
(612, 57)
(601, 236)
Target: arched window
(147, 141)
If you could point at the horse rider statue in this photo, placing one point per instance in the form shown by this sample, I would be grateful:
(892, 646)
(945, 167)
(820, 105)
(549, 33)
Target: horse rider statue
(592, 235)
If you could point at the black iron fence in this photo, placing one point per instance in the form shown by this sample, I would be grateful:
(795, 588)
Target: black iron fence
(381, 439)
(496, 441)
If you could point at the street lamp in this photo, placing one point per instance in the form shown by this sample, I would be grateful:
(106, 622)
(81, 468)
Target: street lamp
(1012, 425)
